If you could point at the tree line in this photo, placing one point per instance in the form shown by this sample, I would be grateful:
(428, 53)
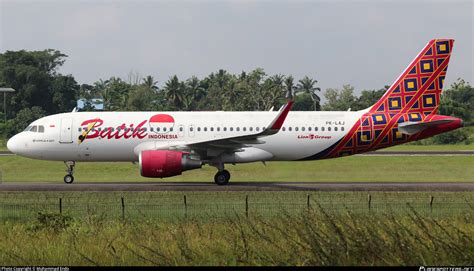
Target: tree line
(42, 90)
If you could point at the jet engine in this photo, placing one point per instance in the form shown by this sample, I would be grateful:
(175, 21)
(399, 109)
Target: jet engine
(162, 163)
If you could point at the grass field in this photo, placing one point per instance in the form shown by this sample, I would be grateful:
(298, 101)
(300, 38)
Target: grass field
(348, 169)
(460, 147)
(315, 236)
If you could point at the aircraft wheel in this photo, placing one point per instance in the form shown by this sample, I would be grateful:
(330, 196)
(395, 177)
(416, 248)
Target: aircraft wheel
(222, 177)
(68, 179)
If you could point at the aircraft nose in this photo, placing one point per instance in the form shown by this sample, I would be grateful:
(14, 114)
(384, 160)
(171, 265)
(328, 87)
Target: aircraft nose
(13, 144)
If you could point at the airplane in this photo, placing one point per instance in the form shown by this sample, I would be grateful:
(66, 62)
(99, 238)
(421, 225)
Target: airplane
(167, 143)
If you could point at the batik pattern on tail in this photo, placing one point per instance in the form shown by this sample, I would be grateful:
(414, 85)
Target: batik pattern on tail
(415, 96)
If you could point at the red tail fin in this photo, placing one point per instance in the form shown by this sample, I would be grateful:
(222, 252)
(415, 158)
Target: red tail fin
(419, 87)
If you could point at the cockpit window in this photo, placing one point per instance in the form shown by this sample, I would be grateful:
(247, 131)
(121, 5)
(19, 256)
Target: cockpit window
(41, 129)
(34, 129)
(27, 129)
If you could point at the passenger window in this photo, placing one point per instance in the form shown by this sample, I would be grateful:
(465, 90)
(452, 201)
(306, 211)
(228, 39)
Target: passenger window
(205, 129)
(151, 129)
(250, 129)
(225, 129)
(191, 128)
(244, 129)
(315, 129)
(218, 129)
(171, 129)
(289, 129)
(180, 129)
(164, 129)
(296, 129)
(322, 129)
(199, 129)
(342, 128)
(309, 129)
(329, 129)
(212, 129)
(237, 129)
(283, 128)
(302, 129)
(335, 129)
(258, 129)
(231, 129)
(80, 129)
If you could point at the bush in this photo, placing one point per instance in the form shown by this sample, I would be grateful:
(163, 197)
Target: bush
(51, 221)
(453, 137)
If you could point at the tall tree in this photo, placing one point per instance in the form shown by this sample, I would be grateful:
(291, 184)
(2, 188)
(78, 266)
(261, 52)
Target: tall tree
(150, 83)
(339, 99)
(174, 92)
(307, 85)
(31, 74)
(290, 87)
(64, 91)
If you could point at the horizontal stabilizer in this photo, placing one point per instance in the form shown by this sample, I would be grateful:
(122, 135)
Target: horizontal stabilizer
(411, 128)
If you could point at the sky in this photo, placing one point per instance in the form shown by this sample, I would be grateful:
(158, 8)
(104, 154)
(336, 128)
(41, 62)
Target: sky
(363, 43)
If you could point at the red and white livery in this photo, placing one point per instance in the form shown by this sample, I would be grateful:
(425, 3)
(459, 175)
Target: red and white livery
(167, 143)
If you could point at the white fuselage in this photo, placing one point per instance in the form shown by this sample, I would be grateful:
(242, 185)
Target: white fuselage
(303, 133)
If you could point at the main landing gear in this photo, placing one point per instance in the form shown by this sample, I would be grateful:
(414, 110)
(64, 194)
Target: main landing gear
(69, 178)
(222, 176)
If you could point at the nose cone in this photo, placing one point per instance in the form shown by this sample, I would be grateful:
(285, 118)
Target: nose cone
(13, 144)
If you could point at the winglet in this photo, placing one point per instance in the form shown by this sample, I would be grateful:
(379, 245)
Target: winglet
(277, 123)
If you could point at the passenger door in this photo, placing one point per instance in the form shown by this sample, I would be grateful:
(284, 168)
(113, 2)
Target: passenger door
(65, 135)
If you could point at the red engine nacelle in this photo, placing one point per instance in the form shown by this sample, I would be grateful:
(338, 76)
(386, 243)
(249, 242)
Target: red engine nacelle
(162, 164)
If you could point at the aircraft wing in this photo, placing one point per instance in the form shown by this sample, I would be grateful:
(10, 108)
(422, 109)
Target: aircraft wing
(214, 147)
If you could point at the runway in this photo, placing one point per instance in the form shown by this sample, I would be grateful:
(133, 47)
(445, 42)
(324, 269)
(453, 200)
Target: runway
(241, 186)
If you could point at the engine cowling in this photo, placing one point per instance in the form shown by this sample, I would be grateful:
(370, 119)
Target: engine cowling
(162, 163)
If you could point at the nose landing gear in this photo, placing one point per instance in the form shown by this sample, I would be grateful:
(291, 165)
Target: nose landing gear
(69, 178)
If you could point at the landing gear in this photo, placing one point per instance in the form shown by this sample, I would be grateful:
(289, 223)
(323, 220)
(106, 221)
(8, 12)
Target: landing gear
(222, 177)
(69, 178)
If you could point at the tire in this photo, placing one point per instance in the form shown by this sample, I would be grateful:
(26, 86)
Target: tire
(69, 179)
(227, 174)
(222, 178)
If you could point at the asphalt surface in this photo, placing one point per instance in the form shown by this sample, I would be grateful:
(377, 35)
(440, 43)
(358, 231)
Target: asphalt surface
(241, 186)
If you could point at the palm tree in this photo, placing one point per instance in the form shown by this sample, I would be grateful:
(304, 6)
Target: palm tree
(102, 87)
(307, 85)
(173, 91)
(290, 87)
(150, 83)
(194, 87)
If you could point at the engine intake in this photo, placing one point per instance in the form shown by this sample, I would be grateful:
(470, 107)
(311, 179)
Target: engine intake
(162, 164)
